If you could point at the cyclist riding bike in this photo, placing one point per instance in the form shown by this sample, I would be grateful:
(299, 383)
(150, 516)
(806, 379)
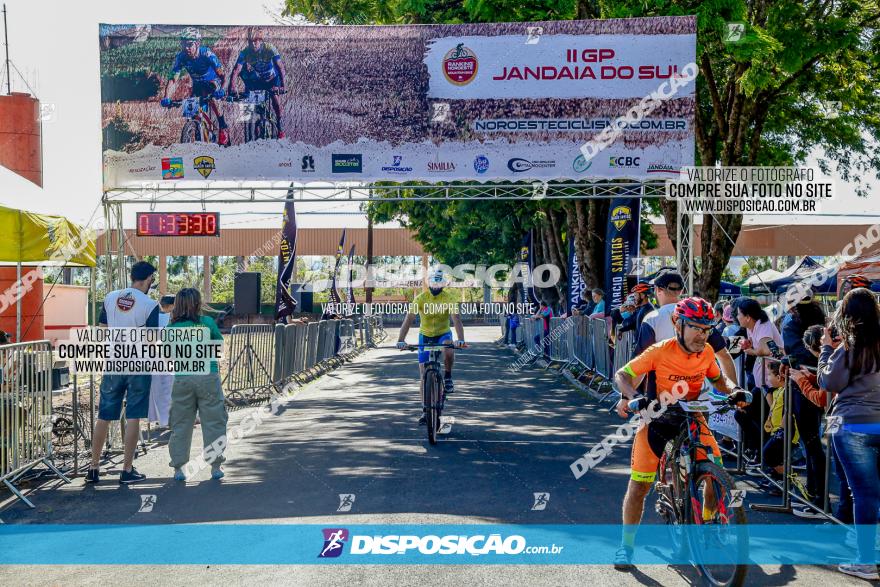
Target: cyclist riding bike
(435, 307)
(680, 365)
(260, 68)
(205, 71)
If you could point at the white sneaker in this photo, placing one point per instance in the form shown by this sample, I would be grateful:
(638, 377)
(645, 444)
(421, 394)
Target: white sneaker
(868, 572)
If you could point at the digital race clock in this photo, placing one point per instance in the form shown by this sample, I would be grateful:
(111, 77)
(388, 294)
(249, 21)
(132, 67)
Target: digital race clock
(178, 224)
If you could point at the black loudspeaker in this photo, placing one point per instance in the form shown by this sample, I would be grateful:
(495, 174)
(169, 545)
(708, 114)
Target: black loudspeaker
(247, 293)
(304, 299)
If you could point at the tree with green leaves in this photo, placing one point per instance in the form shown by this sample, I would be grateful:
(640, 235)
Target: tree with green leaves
(799, 76)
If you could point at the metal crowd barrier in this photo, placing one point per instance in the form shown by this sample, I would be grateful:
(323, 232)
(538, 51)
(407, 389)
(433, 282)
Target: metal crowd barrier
(25, 412)
(624, 347)
(788, 476)
(347, 339)
(251, 352)
(532, 332)
(312, 342)
(263, 357)
(556, 339)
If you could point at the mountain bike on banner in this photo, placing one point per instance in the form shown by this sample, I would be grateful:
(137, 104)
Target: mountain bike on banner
(261, 70)
(436, 307)
(679, 366)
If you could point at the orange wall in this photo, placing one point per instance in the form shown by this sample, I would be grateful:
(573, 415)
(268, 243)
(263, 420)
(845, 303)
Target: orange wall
(20, 136)
(30, 306)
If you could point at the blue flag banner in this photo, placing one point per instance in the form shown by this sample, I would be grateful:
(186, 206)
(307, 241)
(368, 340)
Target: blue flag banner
(621, 245)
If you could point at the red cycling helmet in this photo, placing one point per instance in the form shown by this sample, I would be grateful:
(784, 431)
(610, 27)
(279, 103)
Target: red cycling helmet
(640, 288)
(858, 280)
(696, 310)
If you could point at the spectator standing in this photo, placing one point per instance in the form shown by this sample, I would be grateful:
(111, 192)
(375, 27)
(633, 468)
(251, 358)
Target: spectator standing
(160, 386)
(642, 305)
(808, 384)
(196, 393)
(731, 326)
(125, 308)
(802, 315)
(599, 301)
(850, 367)
(760, 331)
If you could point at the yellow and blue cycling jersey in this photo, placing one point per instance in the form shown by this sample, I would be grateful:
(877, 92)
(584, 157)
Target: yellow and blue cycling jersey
(434, 311)
(201, 68)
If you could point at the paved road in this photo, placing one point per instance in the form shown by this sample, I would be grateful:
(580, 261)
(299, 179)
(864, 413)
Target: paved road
(354, 431)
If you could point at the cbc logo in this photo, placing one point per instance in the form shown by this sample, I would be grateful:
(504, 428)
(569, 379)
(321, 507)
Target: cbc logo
(624, 161)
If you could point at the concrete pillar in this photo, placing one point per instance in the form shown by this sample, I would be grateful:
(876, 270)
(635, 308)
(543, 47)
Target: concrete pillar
(206, 272)
(163, 275)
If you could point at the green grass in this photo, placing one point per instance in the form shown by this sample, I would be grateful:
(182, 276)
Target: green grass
(153, 55)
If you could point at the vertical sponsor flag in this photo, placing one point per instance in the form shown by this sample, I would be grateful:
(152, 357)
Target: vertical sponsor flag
(350, 296)
(335, 298)
(576, 283)
(621, 245)
(531, 298)
(285, 305)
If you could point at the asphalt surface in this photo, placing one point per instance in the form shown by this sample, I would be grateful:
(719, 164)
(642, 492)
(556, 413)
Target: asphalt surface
(354, 431)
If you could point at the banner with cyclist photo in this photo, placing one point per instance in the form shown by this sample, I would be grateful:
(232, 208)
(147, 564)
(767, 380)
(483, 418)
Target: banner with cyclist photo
(492, 101)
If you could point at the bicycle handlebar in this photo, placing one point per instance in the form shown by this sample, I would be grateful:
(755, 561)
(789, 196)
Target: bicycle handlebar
(415, 347)
(239, 96)
(641, 403)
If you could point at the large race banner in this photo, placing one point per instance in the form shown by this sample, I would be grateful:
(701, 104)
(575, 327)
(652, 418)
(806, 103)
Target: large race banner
(505, 101)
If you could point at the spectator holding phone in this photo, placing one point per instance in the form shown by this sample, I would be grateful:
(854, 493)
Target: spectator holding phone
(850, 367)
(808, 385)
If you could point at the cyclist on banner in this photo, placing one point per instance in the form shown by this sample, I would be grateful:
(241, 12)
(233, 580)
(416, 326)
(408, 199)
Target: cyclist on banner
(205, 71)
(680, 364)
(260, 68)
(435, 307)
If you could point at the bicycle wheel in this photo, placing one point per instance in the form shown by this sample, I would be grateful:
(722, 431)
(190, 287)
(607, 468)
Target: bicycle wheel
(717, 533)
(433, 388)
(62, 430)
(671, 494)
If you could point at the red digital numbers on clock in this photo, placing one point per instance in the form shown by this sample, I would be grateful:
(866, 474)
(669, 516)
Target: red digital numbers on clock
(178, 224)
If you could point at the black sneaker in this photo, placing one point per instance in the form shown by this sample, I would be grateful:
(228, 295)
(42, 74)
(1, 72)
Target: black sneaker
(128, 477)
(623, 558)
(448, 386)
(423, 420)
(93, 476)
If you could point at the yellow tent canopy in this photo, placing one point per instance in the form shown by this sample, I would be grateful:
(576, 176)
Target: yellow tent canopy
(27, 237)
